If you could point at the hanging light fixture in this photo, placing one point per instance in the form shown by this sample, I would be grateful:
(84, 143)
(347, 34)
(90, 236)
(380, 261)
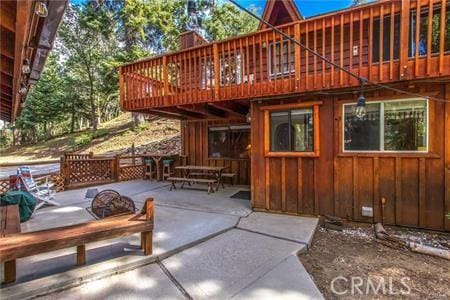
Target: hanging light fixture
(23, 89)
(26, 66)
(360, 111)
(41, 8)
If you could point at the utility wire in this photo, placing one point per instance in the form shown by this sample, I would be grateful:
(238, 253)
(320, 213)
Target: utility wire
(361, 79)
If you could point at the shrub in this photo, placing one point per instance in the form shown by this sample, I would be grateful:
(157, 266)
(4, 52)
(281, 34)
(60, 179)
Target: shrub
(99, 133)
(143, 126)
(82, 140)
(5, 141)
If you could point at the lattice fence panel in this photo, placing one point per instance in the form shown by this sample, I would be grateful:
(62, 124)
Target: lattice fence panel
(58, 180)
(131, 172)
(90, 171)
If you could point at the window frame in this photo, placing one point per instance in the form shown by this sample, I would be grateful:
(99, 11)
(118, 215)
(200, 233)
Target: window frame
(314, 105)
(382, 126)
(272, 46)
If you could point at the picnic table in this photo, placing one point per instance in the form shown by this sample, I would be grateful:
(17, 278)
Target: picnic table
(157, 157)
(215, 171)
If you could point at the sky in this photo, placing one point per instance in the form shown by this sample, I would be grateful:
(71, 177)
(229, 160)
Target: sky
(308, 8)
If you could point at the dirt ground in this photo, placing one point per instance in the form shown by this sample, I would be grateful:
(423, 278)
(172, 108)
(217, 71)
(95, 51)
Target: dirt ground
(354, 255)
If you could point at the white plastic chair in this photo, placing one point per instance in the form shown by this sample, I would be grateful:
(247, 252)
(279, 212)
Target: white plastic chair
(44, 193)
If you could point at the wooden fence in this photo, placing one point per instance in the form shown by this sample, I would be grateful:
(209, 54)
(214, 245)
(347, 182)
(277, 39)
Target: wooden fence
(87, 170)
(80, 170)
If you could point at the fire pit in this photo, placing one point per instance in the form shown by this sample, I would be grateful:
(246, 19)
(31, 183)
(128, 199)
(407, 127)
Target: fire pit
(109, 203)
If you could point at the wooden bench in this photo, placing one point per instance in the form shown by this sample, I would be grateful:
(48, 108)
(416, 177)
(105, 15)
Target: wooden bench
(223, 175)
(183, 180)
(19, 245)
(9, 224)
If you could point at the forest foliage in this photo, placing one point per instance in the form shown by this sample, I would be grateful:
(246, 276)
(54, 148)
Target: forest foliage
(78, 88)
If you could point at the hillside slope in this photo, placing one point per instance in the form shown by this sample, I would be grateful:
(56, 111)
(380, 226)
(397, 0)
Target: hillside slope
(115, 136)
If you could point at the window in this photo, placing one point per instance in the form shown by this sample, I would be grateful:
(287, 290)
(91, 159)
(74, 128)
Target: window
(388, 126)
(292, 131)
(386, 39)
(229, 141)
(423, 30)
(281, 62)
(231, 68)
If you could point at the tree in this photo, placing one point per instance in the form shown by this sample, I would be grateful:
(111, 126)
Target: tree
(227, 21)
(89, 43)
(44, 105)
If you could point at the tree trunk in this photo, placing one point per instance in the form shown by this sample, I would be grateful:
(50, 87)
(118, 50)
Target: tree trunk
(137, 118)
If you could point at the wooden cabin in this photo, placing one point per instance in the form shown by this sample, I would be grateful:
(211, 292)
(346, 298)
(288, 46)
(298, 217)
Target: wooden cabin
(284, 120)
(26, 40)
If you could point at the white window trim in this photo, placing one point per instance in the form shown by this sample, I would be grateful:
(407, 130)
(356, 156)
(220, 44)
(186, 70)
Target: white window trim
(382, 128)
(271, 68)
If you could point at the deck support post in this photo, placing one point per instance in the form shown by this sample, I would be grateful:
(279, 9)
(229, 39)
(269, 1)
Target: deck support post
(81, 255)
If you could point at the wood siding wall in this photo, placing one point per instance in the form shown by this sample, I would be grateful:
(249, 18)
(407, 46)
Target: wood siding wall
(195, 146)
(338, 183)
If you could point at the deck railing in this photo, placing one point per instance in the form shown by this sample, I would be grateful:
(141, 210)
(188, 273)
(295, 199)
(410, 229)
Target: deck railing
(378, 41)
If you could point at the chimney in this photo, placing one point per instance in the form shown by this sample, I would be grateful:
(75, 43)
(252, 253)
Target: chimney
(191, 39)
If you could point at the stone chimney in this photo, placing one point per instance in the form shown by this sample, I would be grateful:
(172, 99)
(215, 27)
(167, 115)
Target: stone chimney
(191, 39)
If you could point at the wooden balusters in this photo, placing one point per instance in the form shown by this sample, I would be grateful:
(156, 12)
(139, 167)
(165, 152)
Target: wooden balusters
(369, 45)
(324, 52)
(262, 64)
(429, 35)
(307, 57)
(404, 37)
(417, 39)
(380, 43)
(332, 49)
(350, 49)
(297, 57)
(341, 50)
(391, 42)
(442, 27)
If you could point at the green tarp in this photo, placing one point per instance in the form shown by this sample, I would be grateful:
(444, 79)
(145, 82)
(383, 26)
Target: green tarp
(25, 200)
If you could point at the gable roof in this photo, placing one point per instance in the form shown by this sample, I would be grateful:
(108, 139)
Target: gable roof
(278, 12)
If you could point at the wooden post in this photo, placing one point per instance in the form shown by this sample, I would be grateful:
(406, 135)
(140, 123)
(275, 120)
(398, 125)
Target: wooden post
(447, 158)
(116, 167)
(404, 38)
(9, 271)
(165, 77)
(147, 236)
(81, 255)
(121, 89)
(297, 56)
(216, 71)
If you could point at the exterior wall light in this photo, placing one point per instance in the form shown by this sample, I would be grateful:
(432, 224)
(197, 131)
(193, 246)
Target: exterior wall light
(360, 111)
(23, 89)
(41, 8)
(26, 67)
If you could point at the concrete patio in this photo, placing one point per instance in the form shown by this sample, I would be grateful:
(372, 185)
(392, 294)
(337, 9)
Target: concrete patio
(205, 246)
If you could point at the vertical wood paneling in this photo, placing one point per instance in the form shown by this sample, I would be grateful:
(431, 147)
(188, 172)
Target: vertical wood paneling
(387, 189)
(341, 184)
(447, 156)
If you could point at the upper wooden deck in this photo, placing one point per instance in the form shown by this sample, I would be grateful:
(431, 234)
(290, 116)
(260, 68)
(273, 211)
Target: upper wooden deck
(247, 66)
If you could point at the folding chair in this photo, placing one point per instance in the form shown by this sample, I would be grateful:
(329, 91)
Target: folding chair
(44, 193)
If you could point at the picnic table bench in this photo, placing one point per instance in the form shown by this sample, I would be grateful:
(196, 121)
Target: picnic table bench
(14, 245)
(223, 175)
(215, 171)
(183, 180)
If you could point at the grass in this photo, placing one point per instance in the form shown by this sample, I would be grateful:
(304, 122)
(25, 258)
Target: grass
(112, 137)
